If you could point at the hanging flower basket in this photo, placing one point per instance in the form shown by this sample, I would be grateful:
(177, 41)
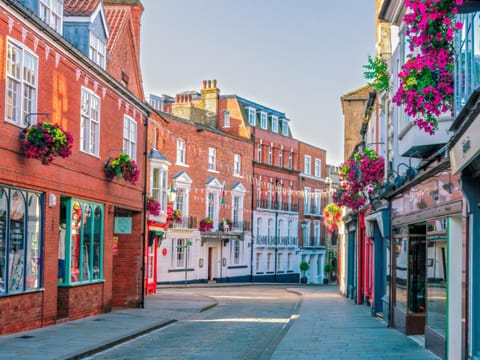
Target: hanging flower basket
(332, 214)
(45, 141)
(122, 166)
(153, 206)
(361, 175)
(426, 79)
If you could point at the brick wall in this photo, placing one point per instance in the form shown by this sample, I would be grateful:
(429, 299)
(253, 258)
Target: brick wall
(79, 176)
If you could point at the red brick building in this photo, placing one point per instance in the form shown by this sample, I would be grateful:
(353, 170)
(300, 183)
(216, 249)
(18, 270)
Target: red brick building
(209, 166)
(71, 238)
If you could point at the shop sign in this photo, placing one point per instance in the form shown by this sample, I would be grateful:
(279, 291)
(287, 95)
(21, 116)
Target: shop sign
(467, 147)
(122, 225)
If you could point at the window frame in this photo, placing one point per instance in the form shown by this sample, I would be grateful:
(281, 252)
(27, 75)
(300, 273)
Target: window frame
(16, 109)
(263, 120)
(72, 230)
(226, 119)
(212, 159)
(97, 50)
(88, 116)
(252, 112)
(307, 165)
(274, 122)
(130, 137)
(237, 165)
(181, 152)
(15, 222)
(49, 14)
(318, 168)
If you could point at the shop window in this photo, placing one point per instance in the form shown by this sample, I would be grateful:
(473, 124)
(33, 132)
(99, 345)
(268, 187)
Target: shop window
(416, 276)
(235, 252)
(20, 240)
(436, 274)
(80, 250)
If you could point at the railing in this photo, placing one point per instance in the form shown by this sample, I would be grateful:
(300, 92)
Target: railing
(314, 242)
(184, 222)
(274, 205)
(276, 241)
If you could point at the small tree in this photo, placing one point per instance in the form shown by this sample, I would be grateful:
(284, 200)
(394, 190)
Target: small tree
(304, 266)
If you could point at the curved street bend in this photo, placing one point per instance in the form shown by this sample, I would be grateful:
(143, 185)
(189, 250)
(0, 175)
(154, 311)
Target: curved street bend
(224, 322)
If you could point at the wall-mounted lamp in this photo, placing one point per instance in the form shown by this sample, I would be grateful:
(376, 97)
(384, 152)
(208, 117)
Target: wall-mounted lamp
(172, 194)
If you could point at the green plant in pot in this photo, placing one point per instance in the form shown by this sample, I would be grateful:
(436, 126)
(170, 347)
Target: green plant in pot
(304, 266)
(328, 270)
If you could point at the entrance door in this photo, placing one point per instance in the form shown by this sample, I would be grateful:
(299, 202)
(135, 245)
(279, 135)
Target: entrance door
(210, 257)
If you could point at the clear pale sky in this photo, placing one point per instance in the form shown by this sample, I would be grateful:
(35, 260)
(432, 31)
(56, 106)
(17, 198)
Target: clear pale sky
(295, 56)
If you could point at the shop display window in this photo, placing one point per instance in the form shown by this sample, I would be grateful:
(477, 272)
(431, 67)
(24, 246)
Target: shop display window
(80, 251)
(20, 240)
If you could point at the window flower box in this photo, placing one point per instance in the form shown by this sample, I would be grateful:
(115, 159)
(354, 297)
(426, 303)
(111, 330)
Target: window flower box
(206, 224)
(44, 141)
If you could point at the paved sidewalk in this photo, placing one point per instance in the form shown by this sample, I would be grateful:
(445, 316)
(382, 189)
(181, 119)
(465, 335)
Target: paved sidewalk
(329, 326)
(77, 339)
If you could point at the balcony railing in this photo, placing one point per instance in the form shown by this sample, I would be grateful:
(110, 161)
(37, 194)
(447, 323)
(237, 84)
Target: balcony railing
(184, 222)
(273, 205)
(272, 240)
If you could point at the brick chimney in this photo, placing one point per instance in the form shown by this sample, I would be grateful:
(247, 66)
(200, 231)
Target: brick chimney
(209, 103)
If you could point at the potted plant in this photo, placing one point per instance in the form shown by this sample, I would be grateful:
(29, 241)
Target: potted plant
(44, 141)
(177, 215)
(122, 166)
(377, 72)
(153, 206)
(304, 266)
(226, 225)
(328, 270)
(206, 224)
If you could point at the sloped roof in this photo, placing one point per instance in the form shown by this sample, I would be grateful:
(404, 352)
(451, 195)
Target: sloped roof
(117, 19)
(79, 7)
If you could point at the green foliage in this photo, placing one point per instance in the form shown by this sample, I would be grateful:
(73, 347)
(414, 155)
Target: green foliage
(377, 73)
(304, 266)
(328, 268)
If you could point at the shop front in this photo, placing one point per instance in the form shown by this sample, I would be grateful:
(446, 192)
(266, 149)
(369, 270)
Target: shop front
(465, 159)
(422, 218)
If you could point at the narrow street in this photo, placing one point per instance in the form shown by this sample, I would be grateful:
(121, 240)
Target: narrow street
(272, 322)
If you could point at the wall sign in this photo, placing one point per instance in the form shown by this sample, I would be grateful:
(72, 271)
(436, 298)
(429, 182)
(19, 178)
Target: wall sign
(122, 225)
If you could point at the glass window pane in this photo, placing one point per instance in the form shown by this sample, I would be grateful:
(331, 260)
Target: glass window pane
(97, 242)
(75, 242)
(16, 251)
(33, 242)
(87, 249)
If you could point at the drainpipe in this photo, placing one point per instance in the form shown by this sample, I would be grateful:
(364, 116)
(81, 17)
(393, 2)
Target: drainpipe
(144, 231)
(251, 227)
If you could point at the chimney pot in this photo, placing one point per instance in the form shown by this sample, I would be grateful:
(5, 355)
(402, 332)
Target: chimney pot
(209, 84)
(214, 83)
(204, 84)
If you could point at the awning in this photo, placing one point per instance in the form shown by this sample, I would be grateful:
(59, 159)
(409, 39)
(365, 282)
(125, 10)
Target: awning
(152, 234)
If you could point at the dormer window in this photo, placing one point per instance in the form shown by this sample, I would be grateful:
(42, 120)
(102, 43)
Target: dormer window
(51, 12)
(97, 50)
(251, 116)
(274, 124)
(285, 128)
(263, 120)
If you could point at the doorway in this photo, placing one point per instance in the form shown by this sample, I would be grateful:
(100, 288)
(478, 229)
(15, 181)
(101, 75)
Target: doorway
(210, 258)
